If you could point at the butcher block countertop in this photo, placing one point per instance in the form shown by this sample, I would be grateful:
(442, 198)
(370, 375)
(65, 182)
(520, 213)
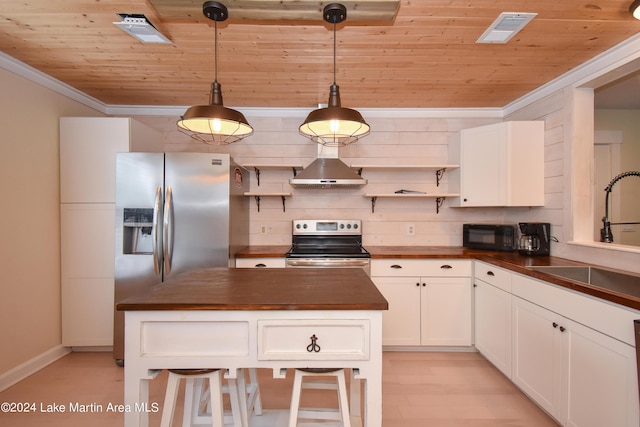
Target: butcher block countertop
(262, 289)
(509, 260)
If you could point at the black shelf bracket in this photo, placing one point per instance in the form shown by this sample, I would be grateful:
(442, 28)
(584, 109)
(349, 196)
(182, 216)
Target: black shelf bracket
(284, 208)
(439, 202)
(439, 175)
(257, 177)
(373, 204)
(295, 171)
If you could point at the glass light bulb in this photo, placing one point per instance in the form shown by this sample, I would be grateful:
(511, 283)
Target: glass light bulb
(334, 125)
(216, 125)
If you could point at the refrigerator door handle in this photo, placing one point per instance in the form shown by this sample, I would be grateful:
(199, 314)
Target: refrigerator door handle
(167, 240)
(155, 232)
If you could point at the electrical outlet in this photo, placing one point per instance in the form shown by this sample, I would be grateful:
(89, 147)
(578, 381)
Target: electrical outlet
(411, 230)
(264, 229)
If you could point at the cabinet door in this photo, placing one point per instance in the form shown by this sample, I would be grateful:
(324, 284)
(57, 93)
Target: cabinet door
(445, 311)
(401, 323)
(537, 355)
(493, 325)
(87, 273)
(483, 167)
(600, 377)
(88, 147)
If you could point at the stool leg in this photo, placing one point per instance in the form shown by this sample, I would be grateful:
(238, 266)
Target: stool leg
(170, 400)
(217, 410)
(343, 401)
(255, 402)
(238, 403)
(295, 399)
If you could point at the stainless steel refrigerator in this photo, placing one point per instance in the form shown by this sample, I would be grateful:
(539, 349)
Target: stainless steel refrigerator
(175, 212)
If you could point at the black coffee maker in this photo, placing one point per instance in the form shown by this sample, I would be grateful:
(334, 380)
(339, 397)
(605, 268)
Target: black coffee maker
(534, 238)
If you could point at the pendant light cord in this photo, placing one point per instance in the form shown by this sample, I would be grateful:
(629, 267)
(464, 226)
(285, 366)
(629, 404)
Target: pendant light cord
(334, 52)
(215, 50)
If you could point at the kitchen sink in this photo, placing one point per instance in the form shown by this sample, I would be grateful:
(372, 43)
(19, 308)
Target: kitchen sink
(616, 281)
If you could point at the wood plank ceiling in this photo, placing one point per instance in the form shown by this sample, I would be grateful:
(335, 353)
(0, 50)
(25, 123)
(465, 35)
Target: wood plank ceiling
(427, 57)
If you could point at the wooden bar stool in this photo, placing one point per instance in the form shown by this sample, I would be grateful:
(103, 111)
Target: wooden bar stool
(215, 393)
(341, 414)
(197, 397)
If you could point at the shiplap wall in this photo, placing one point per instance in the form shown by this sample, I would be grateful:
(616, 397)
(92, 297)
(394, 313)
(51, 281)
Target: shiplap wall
(393, 141)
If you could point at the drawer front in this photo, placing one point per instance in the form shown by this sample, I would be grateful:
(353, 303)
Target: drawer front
(260, 263)
(421, 267)
(332, 339)
(498, 277)
(198, 338)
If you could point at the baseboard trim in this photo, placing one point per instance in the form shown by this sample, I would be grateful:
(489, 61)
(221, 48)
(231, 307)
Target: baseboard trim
(31, 366)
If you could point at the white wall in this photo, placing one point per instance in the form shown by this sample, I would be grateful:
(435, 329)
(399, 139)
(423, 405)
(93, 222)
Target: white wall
(393, 141)
(29, 218)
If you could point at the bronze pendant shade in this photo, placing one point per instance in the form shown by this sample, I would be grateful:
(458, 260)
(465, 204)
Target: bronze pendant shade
(334, 125)
(634, 9)
(214, 123)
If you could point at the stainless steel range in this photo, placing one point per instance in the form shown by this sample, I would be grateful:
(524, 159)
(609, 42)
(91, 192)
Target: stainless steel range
(327, 244)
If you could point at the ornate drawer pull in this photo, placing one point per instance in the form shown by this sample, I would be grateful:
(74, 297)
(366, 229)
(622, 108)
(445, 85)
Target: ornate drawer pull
(313, 347)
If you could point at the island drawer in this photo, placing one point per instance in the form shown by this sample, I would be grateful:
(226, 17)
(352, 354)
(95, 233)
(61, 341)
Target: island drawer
(313, 339)
(199, 338)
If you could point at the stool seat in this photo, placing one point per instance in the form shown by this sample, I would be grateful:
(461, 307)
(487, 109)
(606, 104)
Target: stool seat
(341, 414)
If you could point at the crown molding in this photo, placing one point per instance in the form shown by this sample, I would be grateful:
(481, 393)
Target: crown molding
(581, 76)
(23, 70)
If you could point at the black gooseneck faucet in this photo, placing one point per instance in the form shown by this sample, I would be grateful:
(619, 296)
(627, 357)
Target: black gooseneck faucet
(605, 233)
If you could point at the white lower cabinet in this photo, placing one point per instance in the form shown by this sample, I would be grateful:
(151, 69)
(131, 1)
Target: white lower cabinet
(430, 301)
(493, 325)
(578, 375)
(572, 354)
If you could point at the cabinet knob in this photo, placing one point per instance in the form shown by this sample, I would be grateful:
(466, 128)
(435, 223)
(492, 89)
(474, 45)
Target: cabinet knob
(555, 325)
(417, 283)
(490, 273)
(562, 329)
(260, 265)
(424, 284)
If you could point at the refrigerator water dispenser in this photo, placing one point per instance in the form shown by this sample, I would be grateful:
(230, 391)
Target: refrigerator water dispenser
(137, 239)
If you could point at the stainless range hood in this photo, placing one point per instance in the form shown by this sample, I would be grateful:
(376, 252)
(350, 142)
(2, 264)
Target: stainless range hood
(327, 172)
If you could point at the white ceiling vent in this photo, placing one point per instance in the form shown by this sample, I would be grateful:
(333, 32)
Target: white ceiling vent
(139, 27)
(505, 26)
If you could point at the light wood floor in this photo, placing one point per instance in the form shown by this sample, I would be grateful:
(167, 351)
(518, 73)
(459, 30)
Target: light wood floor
(419, 389)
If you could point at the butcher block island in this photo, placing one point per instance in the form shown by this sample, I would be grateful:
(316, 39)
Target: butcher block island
(257, 318)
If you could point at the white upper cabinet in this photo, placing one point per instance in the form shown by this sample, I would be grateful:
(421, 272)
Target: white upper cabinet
(500, 165)
(88, 147)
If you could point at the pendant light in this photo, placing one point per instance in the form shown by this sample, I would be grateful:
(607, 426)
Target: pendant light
(334, 125)
(634, 9)
(214, 123)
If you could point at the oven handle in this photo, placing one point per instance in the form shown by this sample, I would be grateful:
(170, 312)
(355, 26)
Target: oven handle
(327, 262)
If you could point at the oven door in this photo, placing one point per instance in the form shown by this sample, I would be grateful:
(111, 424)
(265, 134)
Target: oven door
(363, 263)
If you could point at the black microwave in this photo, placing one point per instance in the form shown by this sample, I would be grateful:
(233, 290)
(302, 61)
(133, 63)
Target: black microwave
(494, 237)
